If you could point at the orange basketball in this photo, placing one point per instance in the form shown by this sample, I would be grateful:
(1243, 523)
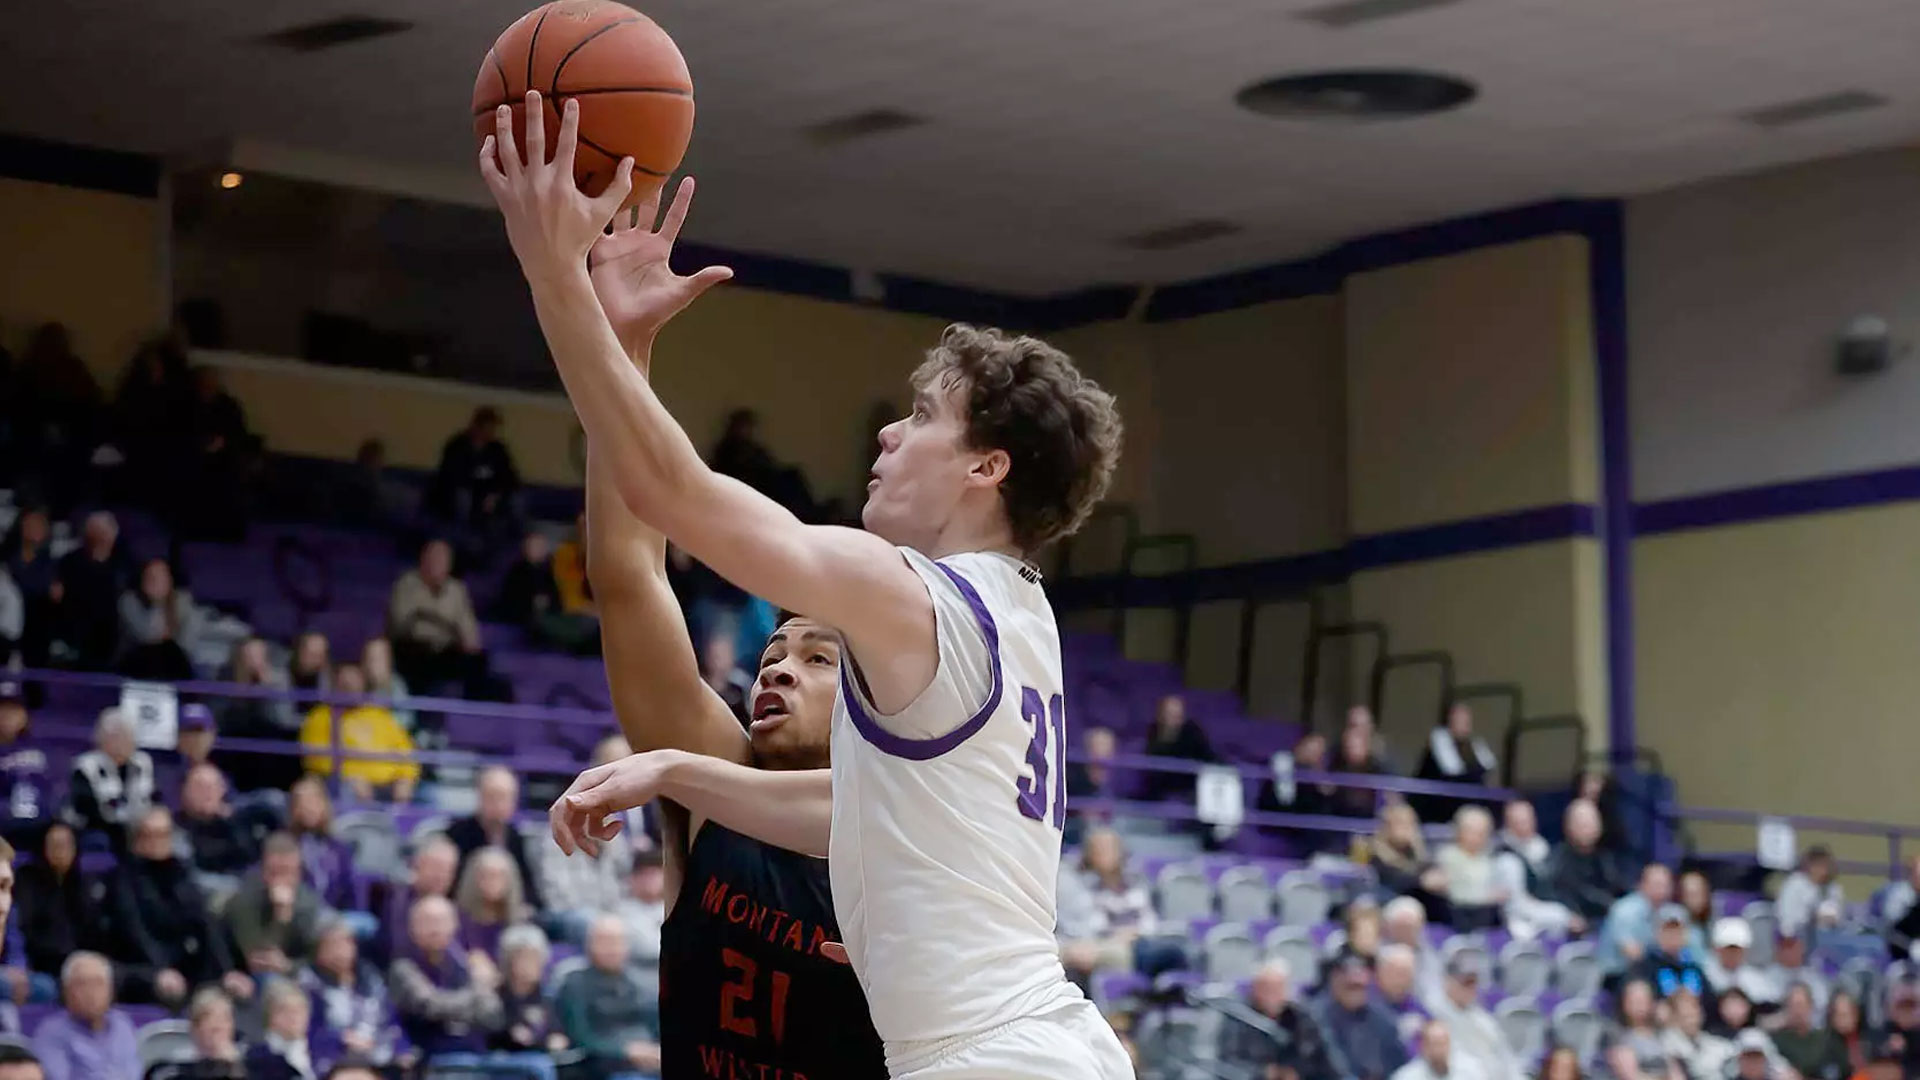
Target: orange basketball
(636, 98)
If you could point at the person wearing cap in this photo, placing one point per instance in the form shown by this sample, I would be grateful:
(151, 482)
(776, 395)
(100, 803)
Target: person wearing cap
(1628, 932)
(1670, 965)
(1790, 966)
(1476, 1036)
(1439, 1058)
(1363, 1036)
(1754, 1057)
(1257, 1052)
(1727, 969)
(23, 769)
(1810, 899)
(193, 746)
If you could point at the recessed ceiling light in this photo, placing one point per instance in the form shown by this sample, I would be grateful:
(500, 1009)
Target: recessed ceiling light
(1801, 110)
(1354, 12)
(1175, 236)
(329, 33)
(231, 180)
(860, 125)
(1384, 94)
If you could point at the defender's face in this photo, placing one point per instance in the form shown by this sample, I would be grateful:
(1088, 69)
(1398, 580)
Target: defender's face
(922, 469)
(790, 715)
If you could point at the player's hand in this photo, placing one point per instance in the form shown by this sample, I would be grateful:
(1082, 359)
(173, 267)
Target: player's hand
(637, 288)
(590, 810)
(550, 221)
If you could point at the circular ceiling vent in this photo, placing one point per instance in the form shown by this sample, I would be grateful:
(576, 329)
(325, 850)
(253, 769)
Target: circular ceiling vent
(1356, 95)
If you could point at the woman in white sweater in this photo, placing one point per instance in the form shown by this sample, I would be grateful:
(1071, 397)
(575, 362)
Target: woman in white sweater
(1474, 892)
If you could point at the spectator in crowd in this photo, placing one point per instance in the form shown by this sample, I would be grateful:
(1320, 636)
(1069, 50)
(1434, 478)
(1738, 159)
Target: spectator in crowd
(1627, 933)
(1404, 922)
(222, 849)
(1790, 965)
(435, 634)
(219, 453)
(1122, 910)
(1814, 1052)
(1438, 1060)
(24, 784)
(1637, 1033)
(1600, 790)
(570, 570)
(326, 862)
(283, 1052)
(273, 718)
(1364, 1035)
(1848, 1026)
(530, 598)
(739, 453)
(91, 578)
(1520, 834)
(30, 564)
(311, 667)
(168, 941)
(376, 663)
(1398, 854)
(1755, 1057)
(491, 825)
(13, 617)
(89, 1039)
(1305, 1049)
(720, 669)
(1088, 779)
(529, 1025)
(1902, 1033)
(146, 415)
(644, 909)
(351, 1013)
(1517, 864)
(1727, 969)
(1309, 755)
(1475, 896)
(351, 1069)
(447, 1000)
(475, 483)
(586, 885)
(159, 626)
(1455, 755)
(431, 873)
(1695, 893)
(606, 1012)
(491, 897)
(193, 745)
(112, 784)
(1173, 737)
(1894, 900)
(275, 917)
(1733, 1012)
(1579, 873)
(365, 727)
(1476, 1035)
(1811, 898)
(1356, 756)
(1563, 1063)
(1701, 1053)
(368, 497)
(1361, 928)
(59, 905)
(1670, 965)
(1395, 973)
(216, 1047)
(17, 985)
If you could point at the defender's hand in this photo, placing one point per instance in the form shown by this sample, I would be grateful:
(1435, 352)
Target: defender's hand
(637, 288)
(550, 222)
(590, 810)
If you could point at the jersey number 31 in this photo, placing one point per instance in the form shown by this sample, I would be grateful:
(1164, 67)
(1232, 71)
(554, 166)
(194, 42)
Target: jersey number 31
(1035, 790)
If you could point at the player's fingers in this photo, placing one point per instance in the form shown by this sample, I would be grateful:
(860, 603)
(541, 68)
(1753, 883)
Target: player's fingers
(536, 130)
(607, 828)
(618, 188)
(677, 209)
(569, 137)
(490, 165)
(503, 134)
(704, 280)
(557, 823)
(835, 952)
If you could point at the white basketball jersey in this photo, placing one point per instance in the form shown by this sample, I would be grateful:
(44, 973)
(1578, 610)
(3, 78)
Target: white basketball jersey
(947, 815)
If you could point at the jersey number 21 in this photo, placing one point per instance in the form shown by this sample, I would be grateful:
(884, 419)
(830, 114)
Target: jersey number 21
(1047, 781)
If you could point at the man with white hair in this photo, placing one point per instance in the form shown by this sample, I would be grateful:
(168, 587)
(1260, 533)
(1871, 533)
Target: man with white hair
(605, 1011)
(1475, 1035)
(89, 1039)
(1300, 1046)
(113, 783)
(1404, 922)
(1437, 1060)
(1519, 864)
(1395, 970)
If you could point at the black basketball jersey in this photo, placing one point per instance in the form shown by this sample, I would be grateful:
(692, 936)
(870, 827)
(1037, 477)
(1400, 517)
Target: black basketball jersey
(744, 991)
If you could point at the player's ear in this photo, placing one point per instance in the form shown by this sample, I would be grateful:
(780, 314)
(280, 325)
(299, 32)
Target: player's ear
(990, 469)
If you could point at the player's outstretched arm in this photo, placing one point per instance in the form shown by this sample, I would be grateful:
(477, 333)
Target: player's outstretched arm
(785, 808)
(844, 577)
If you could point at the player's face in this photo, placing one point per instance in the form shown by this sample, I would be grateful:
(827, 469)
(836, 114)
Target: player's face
(923, 469)
(790, 714)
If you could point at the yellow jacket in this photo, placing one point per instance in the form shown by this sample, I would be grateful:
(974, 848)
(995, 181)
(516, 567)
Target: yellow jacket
(364, 727)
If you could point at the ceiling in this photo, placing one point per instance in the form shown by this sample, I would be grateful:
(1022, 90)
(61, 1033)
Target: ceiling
(1056, 126)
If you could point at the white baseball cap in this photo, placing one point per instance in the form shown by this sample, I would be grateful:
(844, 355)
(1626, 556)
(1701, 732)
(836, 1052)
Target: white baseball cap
(1732, 933)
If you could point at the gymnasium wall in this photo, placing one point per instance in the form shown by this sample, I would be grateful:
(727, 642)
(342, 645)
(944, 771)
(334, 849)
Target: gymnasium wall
(1788, 637)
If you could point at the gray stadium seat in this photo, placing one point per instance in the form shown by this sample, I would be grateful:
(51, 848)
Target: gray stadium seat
(1185, 892)
(1576, 1024)
(1229, 952)
(375, 843)
(1245, 895)
(1524, 1025)
(560, 970)
(1336, 940)
(1294, 946)
(1576, 970)
(1472, 951)
(1304, 899)
(427, 826)
(1765, 924)
(1525, 969)
(165, 1041)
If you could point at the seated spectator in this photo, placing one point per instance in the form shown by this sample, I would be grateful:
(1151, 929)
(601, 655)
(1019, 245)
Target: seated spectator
(1627, 933)
(720, 670)
(1849, 1029)
(1173, 737)
(491, 825)
(159, 626)
(167, 941)
(1122, 909)
(272, 718)
(1477, 1039)
(448, 1001)
(376, 663)
(24, 783)
(587, 885)
(351, 1014)
(1902, 1028)
(530, 599)
(1474, 894)
(1520, 834)
(1395, 974)
(1733, 1012)
(1813, 1051)
(1695, 893)
(435, 634)
(606, 1012)
(1455, 755)
(1895, 900)
(1517, 863)
(1701, 1053)
(1356, 757)
(491, 898)
(1362, 930)
(644, 909)
(1438, 1060)
(112, 784)
(193, 745)
(326, 862)
(1669, 964)
(1727, 969)
(475, 483)
(311, 666)
(1811, 898)
(1579, 873)
(368, 497)
(16, 980)
(1303, 1048)
(1404, 922)
(59, 906)
(283, 1052)
(275, 917)
(1088, 779)
(221, 847)
(1563, 1063)
(1790, 966)
(90, 580)
(89, 1039)
(431, 873)
(367, 728)
(30, 564)
(216, 1048)
(1600, 790)
(1636, 1034)
(1398, 854)
(1364, 1036)
(1755, 1058)
(530, 1024)
(1309, 755)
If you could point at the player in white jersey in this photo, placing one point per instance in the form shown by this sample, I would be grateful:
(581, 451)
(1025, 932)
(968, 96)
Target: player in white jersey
(944, 839)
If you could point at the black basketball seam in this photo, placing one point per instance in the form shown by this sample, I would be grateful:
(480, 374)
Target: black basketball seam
(560, 99)
(534, 42)
(637, 167)
(506, 88)
(553, 87)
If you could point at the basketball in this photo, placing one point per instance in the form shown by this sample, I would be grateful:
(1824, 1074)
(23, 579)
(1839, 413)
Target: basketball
(636, 97)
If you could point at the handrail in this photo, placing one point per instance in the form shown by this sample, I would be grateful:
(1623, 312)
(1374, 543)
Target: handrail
(1406, 785)
(1513, 692)
(1895, 833)
(1250, 608)
(1510, 744)
(1189, 546)
(1386, 662)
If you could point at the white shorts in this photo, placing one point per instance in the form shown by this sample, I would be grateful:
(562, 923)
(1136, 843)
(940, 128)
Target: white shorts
(1070, 1042)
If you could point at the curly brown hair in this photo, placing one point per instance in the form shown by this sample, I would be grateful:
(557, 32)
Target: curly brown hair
(1059, 429)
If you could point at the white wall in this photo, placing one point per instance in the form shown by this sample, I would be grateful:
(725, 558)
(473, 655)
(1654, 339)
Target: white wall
(1736, 290)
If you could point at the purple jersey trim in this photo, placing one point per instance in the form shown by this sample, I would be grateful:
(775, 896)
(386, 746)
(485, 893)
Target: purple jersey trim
(912, 749)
